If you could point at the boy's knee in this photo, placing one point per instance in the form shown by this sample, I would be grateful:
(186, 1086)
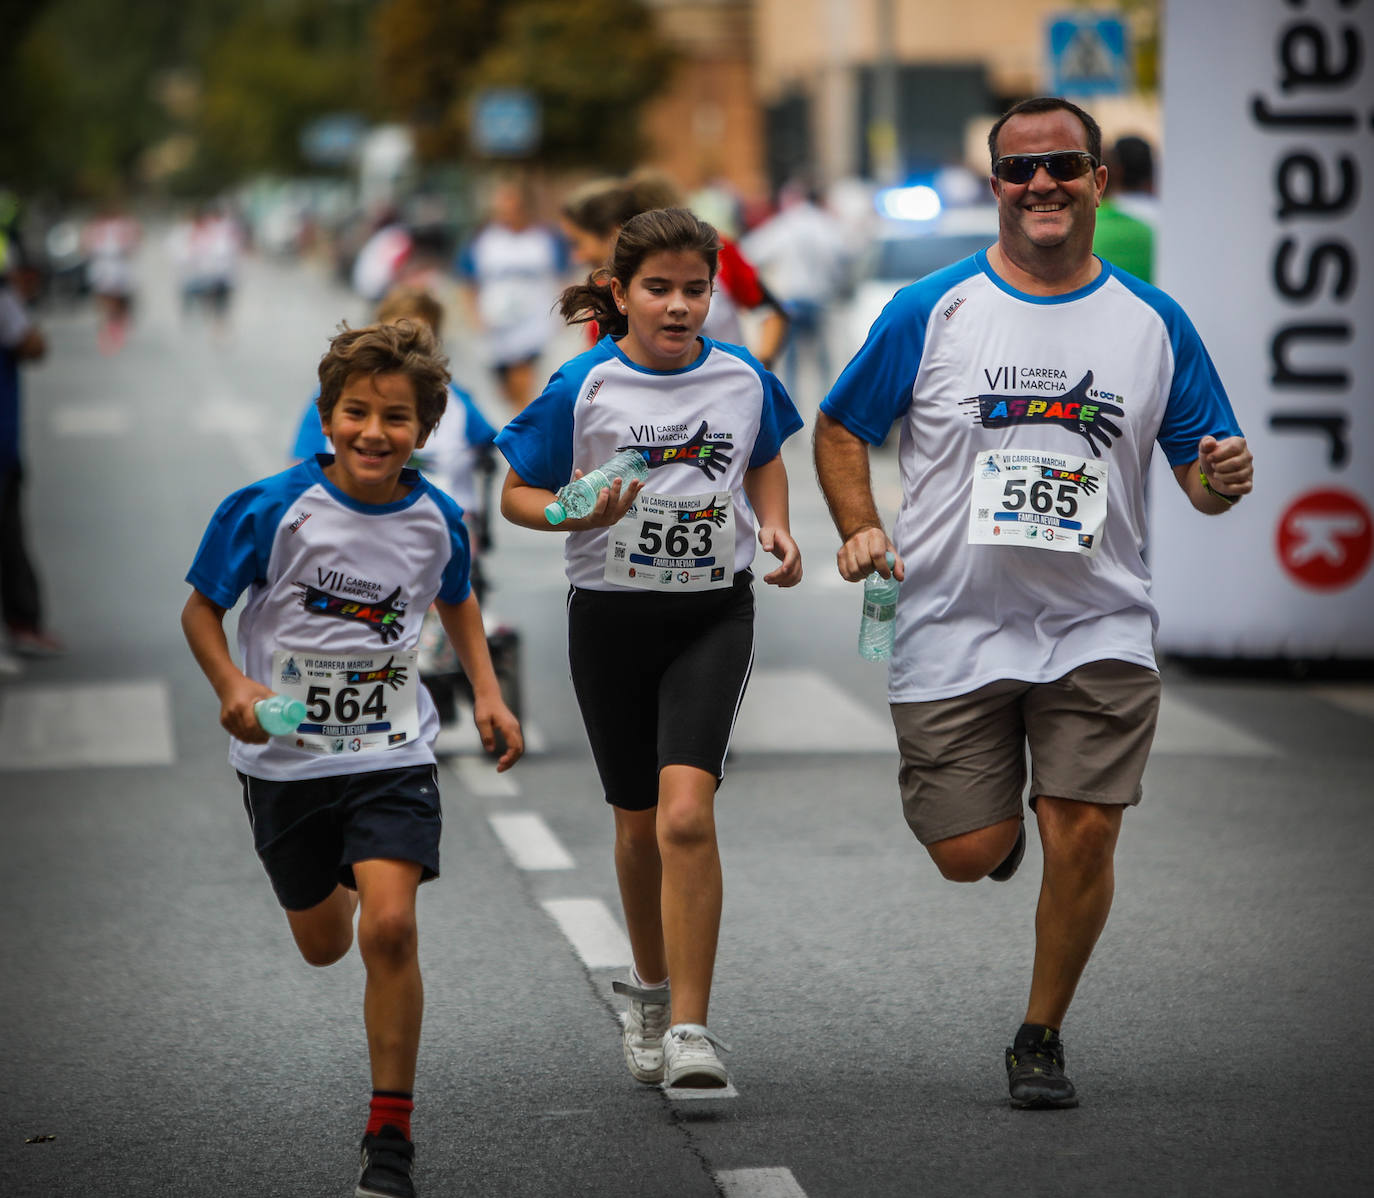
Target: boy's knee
(322, 953)
(388, 935)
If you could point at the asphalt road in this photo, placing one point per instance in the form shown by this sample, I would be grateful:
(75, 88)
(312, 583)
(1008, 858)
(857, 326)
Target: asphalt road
(162, 1038)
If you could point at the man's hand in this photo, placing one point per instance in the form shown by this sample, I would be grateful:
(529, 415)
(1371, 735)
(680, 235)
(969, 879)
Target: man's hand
(1228, 465)
(866, 551)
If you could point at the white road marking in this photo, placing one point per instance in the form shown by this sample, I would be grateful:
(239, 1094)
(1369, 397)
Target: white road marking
(91, 724)
(592, 931)
(1187, 727)
(1356, 699)
(791, 711)
(759, 1183)
(91, 420)
(227, 418)
(530, 842)
(478, 775)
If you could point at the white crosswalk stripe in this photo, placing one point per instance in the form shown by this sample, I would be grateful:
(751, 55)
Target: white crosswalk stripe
(530, 842)
(592, 931)
(93, 724)
(791, 711)
(759, 1183)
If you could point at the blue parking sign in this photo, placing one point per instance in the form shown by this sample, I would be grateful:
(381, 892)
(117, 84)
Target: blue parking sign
(1089, 55)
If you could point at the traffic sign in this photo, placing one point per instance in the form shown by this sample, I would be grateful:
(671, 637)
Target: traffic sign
(1089, 55)
(506, 122)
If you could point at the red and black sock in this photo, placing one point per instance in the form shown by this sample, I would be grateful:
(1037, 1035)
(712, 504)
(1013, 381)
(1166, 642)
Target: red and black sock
(390, 1107)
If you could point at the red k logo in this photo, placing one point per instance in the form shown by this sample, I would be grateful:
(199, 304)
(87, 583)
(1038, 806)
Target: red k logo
(1325, 539)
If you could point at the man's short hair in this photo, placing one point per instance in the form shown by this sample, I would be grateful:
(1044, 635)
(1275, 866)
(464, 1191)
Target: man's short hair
(1135, 162)
(404, 347)
(1039, 104)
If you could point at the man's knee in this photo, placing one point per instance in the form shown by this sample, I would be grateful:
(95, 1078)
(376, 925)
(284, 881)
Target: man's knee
(971, 856)
(1083, 833)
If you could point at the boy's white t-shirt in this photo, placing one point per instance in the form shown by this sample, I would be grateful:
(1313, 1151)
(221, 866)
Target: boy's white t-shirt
(325, 573)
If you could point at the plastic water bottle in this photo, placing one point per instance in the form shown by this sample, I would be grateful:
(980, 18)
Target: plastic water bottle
(878, 626)
(579, 496)
(279, 716)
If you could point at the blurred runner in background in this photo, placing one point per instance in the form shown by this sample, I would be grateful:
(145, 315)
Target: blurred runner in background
(110, 241)
(511, 272)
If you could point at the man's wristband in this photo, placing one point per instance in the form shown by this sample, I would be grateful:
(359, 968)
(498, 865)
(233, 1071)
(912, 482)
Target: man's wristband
(1207, 486)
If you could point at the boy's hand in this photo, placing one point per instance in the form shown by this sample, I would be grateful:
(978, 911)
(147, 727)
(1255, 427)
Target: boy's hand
(236, 715)
(780, 544)
(494, 719)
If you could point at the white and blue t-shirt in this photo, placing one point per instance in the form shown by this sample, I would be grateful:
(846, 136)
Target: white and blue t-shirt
(970, 364)
(330, 574)
(700, 427)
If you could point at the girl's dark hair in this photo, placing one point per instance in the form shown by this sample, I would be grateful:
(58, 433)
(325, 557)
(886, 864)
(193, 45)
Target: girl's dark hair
(605, 205)
(670, 230)
(403, 347)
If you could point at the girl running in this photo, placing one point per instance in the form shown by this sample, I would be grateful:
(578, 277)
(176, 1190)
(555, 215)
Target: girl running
(662, 595)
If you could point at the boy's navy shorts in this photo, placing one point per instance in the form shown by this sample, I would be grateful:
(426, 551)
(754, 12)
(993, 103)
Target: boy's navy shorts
(309, 832)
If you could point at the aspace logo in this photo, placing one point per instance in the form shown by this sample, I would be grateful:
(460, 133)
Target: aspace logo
(705, 450)
(1071, 409)
(384, 616)
(391, 674)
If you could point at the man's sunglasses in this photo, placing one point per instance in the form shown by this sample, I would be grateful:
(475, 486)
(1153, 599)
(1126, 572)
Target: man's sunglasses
(1063, 166)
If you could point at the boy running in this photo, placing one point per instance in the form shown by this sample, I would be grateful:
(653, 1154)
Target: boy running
(340, 557)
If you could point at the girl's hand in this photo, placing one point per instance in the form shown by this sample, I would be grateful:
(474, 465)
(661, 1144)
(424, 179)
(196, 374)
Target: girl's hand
(611, 504)
(779, 542)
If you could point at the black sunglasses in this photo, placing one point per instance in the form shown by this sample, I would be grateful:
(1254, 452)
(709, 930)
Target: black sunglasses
(1063, 165)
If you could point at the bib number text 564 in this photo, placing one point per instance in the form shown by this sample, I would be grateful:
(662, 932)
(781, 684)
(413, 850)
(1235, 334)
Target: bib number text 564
(345, 707)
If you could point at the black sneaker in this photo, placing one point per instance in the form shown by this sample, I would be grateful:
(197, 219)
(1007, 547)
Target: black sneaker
(387, 1158)
(1035, 1070)
(1013, 859)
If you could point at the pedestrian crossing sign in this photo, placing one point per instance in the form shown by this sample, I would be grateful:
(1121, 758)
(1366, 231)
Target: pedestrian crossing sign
(1089, 55)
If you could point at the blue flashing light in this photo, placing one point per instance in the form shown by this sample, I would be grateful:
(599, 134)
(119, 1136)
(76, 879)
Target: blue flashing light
(920, 202)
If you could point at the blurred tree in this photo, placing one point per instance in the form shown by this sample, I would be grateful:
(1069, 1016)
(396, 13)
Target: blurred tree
(426, 53)
(591, 63)
(272, 71)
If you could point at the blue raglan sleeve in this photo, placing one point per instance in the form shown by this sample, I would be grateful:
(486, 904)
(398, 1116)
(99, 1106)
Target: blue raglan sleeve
(1198, 405)
(538, 442)
(875, 388)
(455, 584)
(310, 438)
(477, 430)
(237, 544)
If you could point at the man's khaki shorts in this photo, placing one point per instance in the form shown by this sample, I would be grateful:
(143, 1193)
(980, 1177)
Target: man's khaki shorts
(964, 758)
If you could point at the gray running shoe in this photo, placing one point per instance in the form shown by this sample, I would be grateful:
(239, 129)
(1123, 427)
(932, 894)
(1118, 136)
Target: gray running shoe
(644, 1028)
(689, 1058)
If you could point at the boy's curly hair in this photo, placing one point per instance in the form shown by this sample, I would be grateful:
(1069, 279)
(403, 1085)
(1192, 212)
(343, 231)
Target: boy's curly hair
(402, 347)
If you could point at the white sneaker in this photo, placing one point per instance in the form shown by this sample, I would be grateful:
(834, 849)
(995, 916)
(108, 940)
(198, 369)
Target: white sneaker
(689, 1058)
(644, 1029)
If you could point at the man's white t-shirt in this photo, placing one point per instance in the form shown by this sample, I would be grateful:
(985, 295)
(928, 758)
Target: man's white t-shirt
(970, 365)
